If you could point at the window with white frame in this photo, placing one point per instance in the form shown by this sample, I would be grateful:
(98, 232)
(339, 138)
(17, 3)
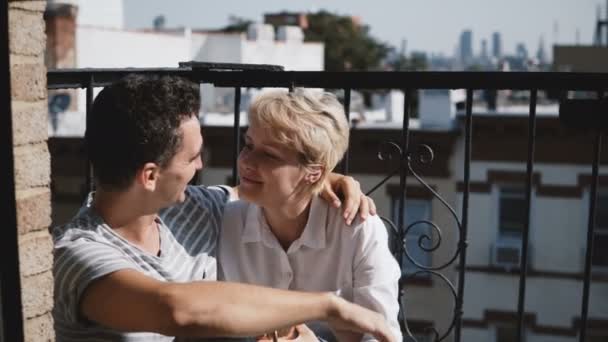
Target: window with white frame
(415, 210)
(600, 239)
(511, 211)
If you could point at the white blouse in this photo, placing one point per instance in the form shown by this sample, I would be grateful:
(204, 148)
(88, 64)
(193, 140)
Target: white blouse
(352, 261)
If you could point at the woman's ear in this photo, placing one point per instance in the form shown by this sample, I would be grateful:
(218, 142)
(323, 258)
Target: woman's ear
(314, 173)
(147, 176)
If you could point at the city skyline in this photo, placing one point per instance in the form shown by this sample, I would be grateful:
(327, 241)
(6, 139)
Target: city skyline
(432, 26)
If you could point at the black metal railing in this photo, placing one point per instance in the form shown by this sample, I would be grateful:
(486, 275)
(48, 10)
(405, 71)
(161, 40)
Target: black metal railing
(408, 82)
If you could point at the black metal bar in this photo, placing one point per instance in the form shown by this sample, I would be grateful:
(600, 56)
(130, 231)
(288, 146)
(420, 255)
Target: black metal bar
(78, 78)
(403, 171)
(525, 234)
(237, 135)
(584, 113)
(462, 243)
(347, 113)
(229, 66)
(11, 319)
(89, 172)
(597, 150)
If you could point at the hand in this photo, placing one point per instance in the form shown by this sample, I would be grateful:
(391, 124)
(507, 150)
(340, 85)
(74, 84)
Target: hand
(346, 316)
(348, 336)
(355, 200)
(305, 334)
(298, 333)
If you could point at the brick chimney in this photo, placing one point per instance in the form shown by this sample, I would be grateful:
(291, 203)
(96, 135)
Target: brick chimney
(61, 35)
(60, 19)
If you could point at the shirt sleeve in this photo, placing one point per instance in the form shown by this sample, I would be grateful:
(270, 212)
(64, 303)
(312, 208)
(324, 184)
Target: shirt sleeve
(376, 274)
(212, 198)
(77, 263)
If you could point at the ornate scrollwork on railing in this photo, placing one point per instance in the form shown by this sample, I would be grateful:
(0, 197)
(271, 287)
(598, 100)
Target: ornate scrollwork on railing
(434, 246)
(436, 335)
(429, 241)
(426, 159)
(387, 151)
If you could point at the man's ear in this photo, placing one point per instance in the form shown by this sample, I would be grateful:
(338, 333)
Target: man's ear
(314, 174)
(147, 176)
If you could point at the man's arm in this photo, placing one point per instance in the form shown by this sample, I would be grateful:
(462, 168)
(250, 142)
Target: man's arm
(130, 301)
(355, 201)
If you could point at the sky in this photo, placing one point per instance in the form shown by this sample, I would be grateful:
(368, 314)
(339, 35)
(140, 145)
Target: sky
(433, 26)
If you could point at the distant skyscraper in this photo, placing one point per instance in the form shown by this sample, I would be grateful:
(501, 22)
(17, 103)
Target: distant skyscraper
(556, 32)
(496, 45)
(541, 54)
(466, 46)
(521, 51)
(484, 49)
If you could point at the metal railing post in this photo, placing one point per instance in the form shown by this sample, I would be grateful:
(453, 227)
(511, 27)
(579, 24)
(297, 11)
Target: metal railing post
(345, 159)
(525, 234)
(89, 183)
(236, 135)
(462, 243)
(597, 150)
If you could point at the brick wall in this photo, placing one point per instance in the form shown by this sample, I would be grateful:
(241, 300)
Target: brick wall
(27, 42)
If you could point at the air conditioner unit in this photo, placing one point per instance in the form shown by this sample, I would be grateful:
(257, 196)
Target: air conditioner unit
(507, 253)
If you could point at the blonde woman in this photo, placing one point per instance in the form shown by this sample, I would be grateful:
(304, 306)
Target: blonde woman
(280, 234)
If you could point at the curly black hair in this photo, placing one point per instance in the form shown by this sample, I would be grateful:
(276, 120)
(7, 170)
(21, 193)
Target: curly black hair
(135, 121)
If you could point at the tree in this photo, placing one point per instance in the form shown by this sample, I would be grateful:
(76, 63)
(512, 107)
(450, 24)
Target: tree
(236, 24)
(348, 45)
(416, 62)
(397, 61)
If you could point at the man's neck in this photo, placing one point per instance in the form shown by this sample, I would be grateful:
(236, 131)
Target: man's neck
(287, 221)
(128, 217)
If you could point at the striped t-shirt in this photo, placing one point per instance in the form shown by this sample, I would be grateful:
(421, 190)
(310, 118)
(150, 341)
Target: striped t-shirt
(86, 248)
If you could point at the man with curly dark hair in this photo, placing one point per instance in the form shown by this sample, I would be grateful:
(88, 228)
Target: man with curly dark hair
(137, 263)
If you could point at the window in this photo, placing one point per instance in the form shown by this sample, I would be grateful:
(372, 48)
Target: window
(507, 332)
(415, 210)
(511, 212)
(596, 337)
(600, 242)
(419, 337)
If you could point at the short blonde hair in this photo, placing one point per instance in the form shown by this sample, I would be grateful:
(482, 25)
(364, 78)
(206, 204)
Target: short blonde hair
(313, 124)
